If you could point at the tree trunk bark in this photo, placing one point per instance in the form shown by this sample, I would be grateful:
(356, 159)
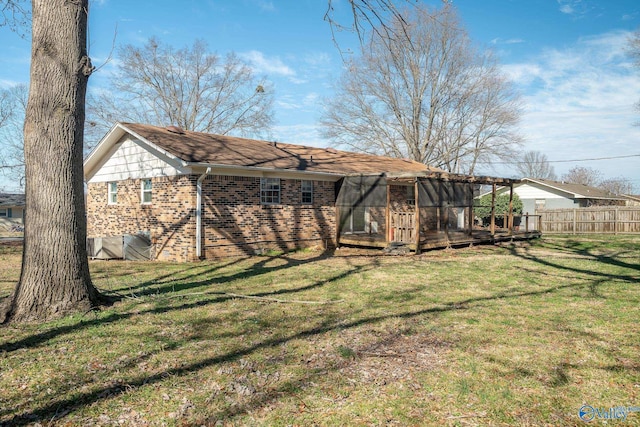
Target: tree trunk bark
(55, 277)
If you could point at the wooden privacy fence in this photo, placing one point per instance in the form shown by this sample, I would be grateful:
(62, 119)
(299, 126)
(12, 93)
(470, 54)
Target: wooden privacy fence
(593, 220)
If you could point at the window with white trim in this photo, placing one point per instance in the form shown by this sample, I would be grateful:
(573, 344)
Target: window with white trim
(4, 212)
(113, 192)
(270, 191)
(306, 189)
(146, 192)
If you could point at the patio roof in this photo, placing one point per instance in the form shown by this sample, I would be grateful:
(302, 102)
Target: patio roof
(446, 176)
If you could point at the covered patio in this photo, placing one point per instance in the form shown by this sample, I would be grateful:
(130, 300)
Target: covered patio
(424, 210)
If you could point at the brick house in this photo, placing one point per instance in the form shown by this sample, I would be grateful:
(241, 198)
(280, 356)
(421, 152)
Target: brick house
(198, 195)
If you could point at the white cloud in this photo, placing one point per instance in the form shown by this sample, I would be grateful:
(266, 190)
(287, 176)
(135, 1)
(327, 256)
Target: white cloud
(287, 103)
(312, 99)
(575, 8)
(298, 81)
(580, 103)
(499, 41)
(567, 9)
(266, 6)
(264, 65)
(8, 84)
(304, 134)
(318, 59)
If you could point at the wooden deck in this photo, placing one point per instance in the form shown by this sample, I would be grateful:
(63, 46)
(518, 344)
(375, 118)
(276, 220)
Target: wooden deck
(441, 240)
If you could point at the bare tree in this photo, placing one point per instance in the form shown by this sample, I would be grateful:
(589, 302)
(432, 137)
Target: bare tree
(535, 164)
(188, 87)
(583, 175)
(6, 107)
(427, 94)
(14, 15)
(55, 275)
(13, 105)
(618, 185)
(633, 50)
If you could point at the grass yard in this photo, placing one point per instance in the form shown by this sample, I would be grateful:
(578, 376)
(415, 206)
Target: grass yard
(512, 335)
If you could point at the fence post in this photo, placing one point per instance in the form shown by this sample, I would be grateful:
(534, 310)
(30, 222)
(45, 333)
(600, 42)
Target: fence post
(574, 221)
(540, 222)
(417, 214)
(615, 221)
(493, 210)
(510, 220)
(526, 222)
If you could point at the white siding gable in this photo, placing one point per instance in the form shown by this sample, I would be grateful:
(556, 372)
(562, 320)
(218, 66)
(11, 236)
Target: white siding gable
(528, 191)
(131, 158)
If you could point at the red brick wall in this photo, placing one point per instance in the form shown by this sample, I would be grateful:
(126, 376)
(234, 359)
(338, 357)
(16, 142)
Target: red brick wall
(234, 221)
(170, 218)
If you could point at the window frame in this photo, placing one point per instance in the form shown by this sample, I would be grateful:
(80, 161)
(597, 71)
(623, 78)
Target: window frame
(270, 191)
(4, 212)
(308, 192)
(365, 220)
(144, 191)
(111, 200)
(411, 195)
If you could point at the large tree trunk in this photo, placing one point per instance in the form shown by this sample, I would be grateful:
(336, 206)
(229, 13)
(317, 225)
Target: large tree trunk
(55, 277)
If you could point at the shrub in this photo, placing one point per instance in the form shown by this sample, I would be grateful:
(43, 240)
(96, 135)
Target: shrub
(482, 206)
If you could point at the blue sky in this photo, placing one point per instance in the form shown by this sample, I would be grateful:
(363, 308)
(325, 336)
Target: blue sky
(567, 57)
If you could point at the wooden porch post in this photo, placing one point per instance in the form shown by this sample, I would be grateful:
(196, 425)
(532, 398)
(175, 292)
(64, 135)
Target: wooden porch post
(445, 216)
(338, 225)
(388, 213)
(493, 210)
(470, 219)
(417, 221)
(510, 223)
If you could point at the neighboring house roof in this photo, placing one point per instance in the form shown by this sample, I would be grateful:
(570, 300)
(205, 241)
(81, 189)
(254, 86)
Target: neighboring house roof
(10, 200)
(203, 149)
(577, 191)
(572, 191)
(633, 197)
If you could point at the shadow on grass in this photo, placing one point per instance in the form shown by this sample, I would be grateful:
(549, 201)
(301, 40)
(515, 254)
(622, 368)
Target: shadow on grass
(218, 297)
(573, 247)
(58, 409)
(52, 411)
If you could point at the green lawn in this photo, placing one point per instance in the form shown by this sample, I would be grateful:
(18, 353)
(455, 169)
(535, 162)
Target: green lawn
(513, 335)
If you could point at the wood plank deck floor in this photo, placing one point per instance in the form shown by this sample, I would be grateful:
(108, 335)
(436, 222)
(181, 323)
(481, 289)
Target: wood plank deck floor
(442, 240)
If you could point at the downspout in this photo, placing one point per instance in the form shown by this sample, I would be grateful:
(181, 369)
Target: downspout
(199, 213)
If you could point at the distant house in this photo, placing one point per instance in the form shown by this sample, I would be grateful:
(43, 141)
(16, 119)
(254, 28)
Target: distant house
(632, 199)
(11, 209)
(545, 194)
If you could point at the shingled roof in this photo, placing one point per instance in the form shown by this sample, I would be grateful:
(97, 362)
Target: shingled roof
(211, 149)
(579, 191)
(8, 199)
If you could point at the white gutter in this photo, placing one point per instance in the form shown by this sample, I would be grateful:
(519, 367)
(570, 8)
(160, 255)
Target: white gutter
(199, 213)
